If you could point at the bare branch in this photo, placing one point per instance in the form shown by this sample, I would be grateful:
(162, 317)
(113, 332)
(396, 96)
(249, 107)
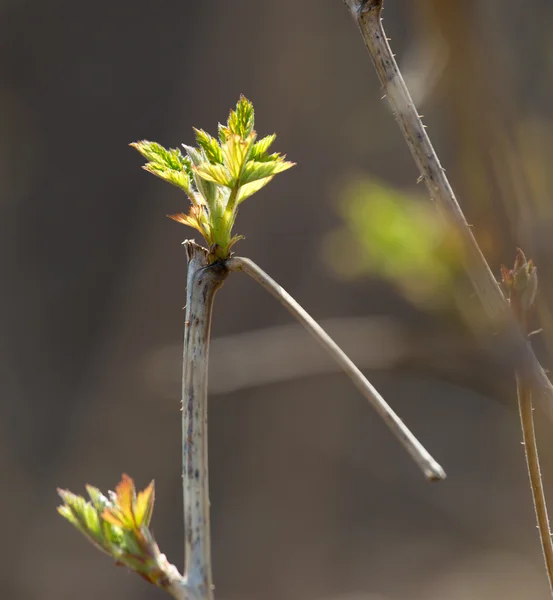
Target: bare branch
(431, 469)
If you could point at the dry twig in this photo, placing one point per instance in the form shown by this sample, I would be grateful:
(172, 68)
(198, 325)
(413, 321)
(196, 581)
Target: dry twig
(431, 469)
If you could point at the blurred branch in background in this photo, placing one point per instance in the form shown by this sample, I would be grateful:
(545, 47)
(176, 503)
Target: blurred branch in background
(507, 310)
(501, 126)
(276, 355)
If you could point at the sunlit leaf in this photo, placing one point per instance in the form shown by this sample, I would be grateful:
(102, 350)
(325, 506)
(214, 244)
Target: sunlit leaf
(255, 170)
(260, 148)
(168, 164)
(144, 506)
(241, 120)
(215, 173)
(235, 152)
(189, 220)
(194, 155)
(223, 132)
(83, 516)
(99, 501)
(249, 189)
(207, 189)
(209, 145)
(126, 495)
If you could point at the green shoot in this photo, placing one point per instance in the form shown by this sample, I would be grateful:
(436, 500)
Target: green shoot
(218, 175)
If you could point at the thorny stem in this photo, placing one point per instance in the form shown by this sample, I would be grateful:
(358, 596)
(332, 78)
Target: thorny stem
(367, 14)
(202, 283)
(431, 469)
(532, 461)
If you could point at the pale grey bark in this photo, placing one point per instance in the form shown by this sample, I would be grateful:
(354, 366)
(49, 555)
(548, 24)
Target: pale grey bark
(431, 469)
(202, 283)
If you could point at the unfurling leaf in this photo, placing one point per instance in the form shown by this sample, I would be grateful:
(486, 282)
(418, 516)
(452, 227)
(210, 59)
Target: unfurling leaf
(235, 153)
(194, 154)
(215, 173)
(194, 219)
(209, 145)
(241, 120)
(144, 506)
(260, 148)
(118, 525)
(168, 164)
(255, 170)
(249, 189)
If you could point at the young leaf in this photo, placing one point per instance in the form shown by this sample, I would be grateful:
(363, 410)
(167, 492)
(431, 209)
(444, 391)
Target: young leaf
(249, 189)
(189, 220)
(168, 164)
(194, 155)
(241, 120)
(235, 152)
(261, 147)
(223, 132)
(99, 501)
(126, 496)
(215, 173)
(209, 145)
(83, 516)
(144, 506)
(255, 170)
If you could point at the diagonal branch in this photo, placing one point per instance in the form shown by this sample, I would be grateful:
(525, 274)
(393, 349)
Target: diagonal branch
(431, 469)
(367, 14)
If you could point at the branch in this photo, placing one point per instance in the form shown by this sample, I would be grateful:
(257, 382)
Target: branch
(431, 469)
(532, 461)
(367, 13)
(202, 283)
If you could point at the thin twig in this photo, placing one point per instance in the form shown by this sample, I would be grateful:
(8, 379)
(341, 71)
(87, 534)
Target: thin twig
(367, 14)
(431, 469)
(202, 283)
(532, 460)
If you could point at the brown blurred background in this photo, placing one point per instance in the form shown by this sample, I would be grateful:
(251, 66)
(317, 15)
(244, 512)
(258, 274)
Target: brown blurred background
(311, 496)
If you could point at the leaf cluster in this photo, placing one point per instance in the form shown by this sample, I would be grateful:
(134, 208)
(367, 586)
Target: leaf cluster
(218, 174)
(118, 524)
